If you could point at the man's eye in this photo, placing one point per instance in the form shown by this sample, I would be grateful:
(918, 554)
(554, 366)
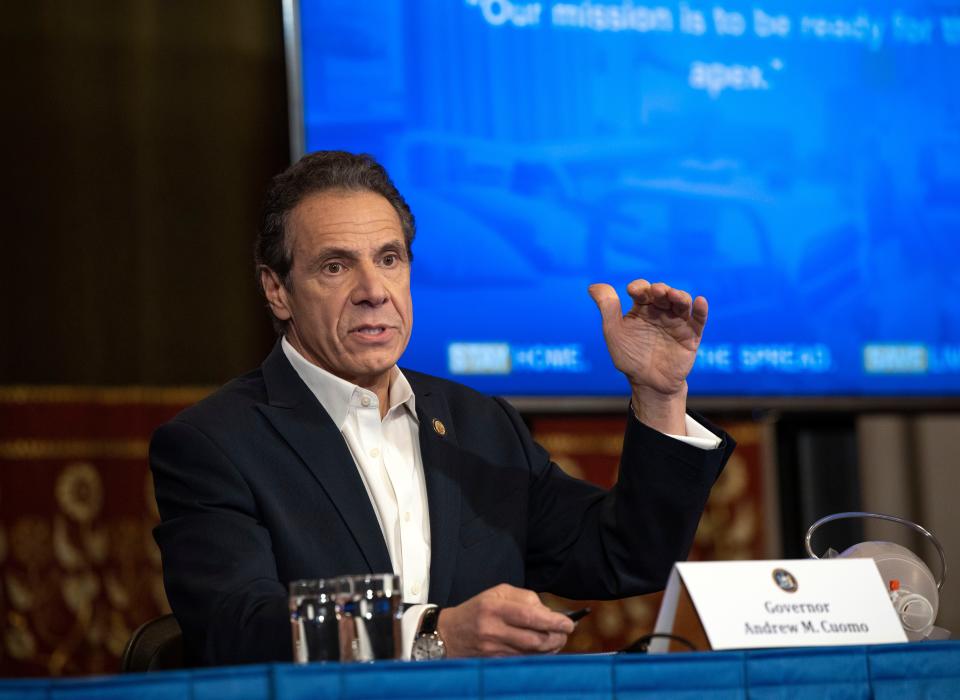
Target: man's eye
(334, 268)
(389, 260)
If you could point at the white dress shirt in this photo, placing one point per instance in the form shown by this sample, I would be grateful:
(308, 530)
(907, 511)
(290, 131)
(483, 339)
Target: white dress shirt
(387, 454)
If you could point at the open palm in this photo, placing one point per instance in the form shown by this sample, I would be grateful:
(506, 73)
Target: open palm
(655, 343)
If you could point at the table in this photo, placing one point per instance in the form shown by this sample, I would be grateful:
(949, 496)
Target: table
(897, 672)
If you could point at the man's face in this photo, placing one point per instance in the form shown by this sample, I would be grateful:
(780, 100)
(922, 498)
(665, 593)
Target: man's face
(347, 299)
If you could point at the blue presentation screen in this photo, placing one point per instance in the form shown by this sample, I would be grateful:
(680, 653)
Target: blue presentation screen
(796, 163)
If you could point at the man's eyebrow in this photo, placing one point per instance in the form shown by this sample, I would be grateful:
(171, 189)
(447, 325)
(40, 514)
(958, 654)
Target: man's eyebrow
(316, 262)
(396, 246)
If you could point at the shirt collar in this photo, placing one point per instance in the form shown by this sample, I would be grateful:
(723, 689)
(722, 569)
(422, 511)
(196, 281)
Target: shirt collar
(337, 395)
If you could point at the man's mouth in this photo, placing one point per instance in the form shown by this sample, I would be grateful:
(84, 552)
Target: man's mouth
(372, 332)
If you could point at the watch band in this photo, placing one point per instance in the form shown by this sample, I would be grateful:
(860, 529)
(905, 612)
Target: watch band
(429, 621)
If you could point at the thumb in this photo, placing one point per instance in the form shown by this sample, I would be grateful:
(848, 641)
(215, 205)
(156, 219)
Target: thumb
(606, 299)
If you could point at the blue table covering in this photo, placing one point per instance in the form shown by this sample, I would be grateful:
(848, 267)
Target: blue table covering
(894, 672)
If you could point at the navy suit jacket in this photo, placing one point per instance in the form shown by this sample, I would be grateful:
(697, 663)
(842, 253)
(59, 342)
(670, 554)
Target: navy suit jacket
(256, 488)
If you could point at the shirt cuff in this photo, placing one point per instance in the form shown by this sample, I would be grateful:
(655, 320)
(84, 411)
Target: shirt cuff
(410, 625)
(697, 435)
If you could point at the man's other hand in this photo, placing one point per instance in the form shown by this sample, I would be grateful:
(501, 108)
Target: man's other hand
(654, 344)
(503, 621)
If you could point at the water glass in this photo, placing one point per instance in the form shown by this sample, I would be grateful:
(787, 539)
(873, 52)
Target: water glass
(371, 610)
(315, 619)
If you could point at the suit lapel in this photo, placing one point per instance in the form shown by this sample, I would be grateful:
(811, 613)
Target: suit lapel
(438, 448)
(300, 419)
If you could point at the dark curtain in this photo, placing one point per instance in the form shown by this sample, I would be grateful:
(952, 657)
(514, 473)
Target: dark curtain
(138, 138)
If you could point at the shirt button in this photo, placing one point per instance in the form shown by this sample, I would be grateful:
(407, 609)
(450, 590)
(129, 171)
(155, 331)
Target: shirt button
(374, 453)
(406, 516)
(364, 401)
(415, 589)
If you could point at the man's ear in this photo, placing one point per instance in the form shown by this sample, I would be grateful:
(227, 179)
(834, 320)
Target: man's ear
(276, 293)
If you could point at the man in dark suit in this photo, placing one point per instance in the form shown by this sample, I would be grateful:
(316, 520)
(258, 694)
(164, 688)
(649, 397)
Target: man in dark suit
(329, 460)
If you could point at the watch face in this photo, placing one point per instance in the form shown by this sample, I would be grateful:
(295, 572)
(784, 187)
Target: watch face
(428, 646)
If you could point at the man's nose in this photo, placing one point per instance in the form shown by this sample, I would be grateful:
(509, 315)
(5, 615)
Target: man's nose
(369, 288)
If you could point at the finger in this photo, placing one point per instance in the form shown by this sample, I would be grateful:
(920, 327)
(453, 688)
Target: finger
(535, 617)
(523, 596)
(502, 636)
(517, 595)
(523, 607)
(519, 647)
(700, 308)
(528, 641)
(659, 295)
(607, 300)
(496, 636)
(680, 302)
(639, 291)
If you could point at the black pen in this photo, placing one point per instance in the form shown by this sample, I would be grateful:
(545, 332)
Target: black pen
(577, 615)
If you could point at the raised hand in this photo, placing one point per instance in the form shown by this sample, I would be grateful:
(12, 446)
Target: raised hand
(654, 344)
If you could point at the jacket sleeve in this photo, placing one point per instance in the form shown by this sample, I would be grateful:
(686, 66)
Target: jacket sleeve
(218, 565)
(584, 542)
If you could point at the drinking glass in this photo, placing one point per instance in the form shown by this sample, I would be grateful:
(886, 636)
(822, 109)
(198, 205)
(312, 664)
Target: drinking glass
(315, 620)
(371, 610)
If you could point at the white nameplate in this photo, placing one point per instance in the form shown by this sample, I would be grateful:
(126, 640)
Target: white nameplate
(783, 603)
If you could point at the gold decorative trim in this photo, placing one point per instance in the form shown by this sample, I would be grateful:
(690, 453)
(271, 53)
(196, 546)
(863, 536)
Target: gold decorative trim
(572, 443)
(73, 449)
(104, 395)
(576, 443)
(744, 432)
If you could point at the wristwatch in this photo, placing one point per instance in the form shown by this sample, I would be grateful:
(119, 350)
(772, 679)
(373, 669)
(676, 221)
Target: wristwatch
(428, 645)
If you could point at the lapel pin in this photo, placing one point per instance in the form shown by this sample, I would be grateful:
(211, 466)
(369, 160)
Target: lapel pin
(438, 427)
